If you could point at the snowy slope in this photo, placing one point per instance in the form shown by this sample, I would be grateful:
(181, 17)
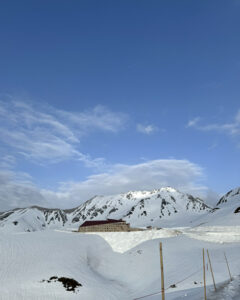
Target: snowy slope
(161, 208)
(232, 197)
(32, 219)
(226, 212)
(28, 258)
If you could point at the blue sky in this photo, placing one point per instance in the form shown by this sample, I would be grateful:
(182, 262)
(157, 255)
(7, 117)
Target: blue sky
(101, 97)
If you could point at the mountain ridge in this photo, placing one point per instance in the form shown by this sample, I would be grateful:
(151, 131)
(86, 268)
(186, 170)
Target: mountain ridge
(232, 194)
(164, 207)
(160, 207)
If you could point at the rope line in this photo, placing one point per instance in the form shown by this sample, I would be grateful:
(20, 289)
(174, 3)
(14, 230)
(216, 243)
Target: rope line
(147, 296)
(200, 269)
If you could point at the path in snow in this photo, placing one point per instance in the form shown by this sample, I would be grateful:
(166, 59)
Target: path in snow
(227, 291)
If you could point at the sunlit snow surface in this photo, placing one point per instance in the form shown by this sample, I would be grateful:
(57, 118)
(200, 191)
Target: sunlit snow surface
(119, 266)
(216, 234)
(123, 241)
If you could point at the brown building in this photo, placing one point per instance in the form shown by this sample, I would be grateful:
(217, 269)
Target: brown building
(108, 225)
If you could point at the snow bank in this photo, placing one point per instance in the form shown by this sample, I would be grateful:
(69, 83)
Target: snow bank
(28, 258)
(123, 241)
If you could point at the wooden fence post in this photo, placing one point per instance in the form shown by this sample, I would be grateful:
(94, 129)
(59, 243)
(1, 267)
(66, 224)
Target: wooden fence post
(162, 273)
(204, 277)
(209, 260)
(228, 267)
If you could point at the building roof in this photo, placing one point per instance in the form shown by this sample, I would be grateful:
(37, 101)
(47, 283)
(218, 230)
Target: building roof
(100, 222)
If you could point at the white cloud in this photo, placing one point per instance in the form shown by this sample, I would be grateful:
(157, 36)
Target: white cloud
(7, 161)
(232, 128)
(46, 135)
(99, 118)
(193, 122)
(16, 190)
(180, 174)
(146, 129)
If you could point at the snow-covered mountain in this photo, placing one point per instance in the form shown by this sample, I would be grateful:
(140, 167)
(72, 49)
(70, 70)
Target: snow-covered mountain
(226, 212)
(231, 198)
(162, 207)
(32, 219)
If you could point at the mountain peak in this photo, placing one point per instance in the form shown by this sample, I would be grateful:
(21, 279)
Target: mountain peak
(154, 191)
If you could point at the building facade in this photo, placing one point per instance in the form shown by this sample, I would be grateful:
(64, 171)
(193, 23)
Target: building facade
(108, 225)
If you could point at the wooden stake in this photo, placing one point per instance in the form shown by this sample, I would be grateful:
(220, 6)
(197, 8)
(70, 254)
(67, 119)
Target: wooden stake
(209, 260)
(228, 267)
(204, 277)
(162, 273)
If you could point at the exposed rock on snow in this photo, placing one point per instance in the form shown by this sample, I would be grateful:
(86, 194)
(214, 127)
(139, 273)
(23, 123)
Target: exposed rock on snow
(226, 211)
(70, 284)
(237, 210)
(233, 195)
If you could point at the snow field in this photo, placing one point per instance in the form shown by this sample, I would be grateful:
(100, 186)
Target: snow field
(28, 258)
(123, 241)
(216, 234)
(182, 257)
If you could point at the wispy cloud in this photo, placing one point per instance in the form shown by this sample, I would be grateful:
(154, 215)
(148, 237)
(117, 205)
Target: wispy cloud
(193, 122)
(153, 174)
(213, 146)
(16, 190)
(47, 135)
(7, 161)
(98, 118)
(231, 128)
(147, 129)
(119, 178)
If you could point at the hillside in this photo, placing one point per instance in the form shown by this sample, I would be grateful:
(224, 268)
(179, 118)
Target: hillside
(226, 212)
(163, 207)
(231, 198)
